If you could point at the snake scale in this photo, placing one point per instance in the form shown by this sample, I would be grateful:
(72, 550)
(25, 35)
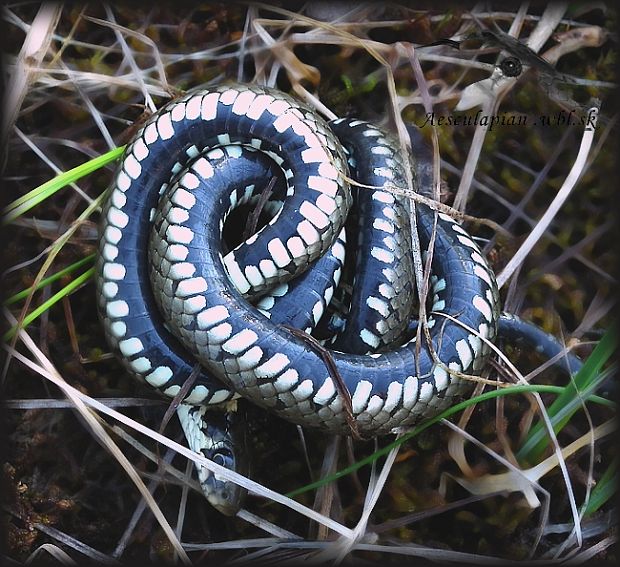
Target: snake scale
(170, 295)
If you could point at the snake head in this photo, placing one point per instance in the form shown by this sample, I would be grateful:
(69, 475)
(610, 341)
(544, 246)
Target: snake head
(223, 495)
(220, 437)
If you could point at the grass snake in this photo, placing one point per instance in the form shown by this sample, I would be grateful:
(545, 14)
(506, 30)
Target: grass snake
(169, 293)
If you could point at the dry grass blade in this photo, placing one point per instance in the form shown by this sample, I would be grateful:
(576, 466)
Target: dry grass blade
(588, 554)
(526, 481)
(140, 508)
(79, 546)
(575, 173)
(46, 403)
(52, 165)
(61, 556)
(267, 526)
(340, 549)
(129, 55)
(31, 55)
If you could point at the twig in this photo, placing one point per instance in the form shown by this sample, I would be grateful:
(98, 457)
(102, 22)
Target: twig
(326, 355)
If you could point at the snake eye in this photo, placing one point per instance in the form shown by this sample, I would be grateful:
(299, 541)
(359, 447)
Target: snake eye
(511, 67)
(223, 458)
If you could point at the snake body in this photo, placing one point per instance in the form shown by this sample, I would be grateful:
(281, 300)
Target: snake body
(203, 295)
(170, 297)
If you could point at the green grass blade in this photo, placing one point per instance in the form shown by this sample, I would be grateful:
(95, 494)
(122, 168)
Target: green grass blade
(605, 488)
(64, 292)
(529, 388)
(23, 204)
(589, 376)
(49, 280)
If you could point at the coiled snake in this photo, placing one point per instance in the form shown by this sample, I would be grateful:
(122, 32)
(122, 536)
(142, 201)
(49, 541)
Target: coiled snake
(213, 150)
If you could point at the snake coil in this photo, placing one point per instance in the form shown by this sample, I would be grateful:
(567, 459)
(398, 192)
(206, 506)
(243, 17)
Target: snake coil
(206, 153)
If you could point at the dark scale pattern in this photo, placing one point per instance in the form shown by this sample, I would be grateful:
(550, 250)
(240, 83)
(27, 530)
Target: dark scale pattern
(206, 297)
(383, 289)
